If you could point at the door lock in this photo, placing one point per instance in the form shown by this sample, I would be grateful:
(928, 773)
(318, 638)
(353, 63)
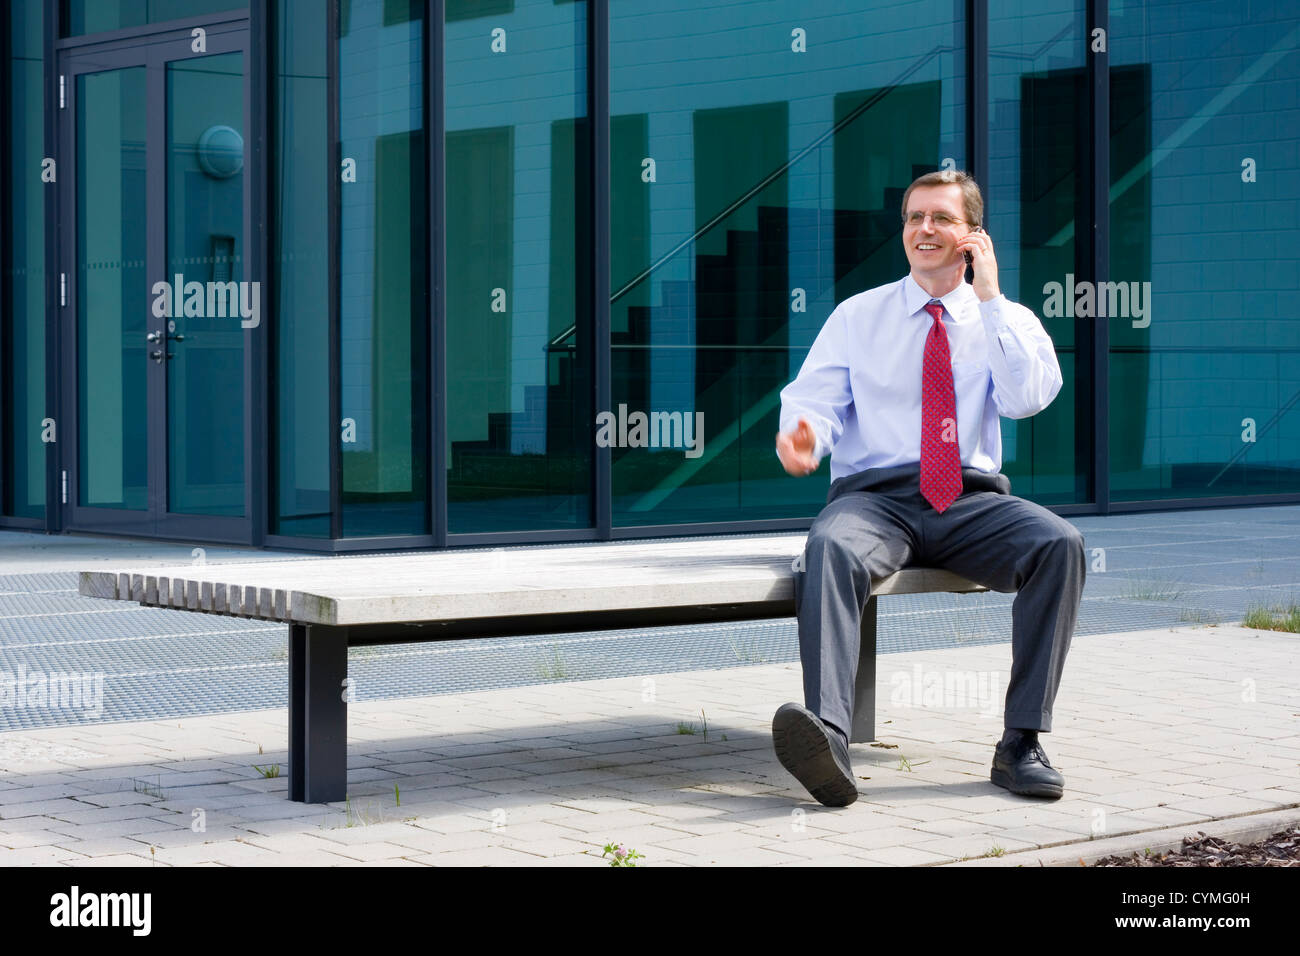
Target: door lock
(154, 336)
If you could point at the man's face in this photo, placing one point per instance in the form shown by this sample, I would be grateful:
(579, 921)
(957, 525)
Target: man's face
(932, 245)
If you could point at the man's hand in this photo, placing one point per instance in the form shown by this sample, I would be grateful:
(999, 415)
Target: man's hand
(983, 262)
(795, 449)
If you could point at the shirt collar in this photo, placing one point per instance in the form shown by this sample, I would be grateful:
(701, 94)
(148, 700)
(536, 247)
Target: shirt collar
(915, 297)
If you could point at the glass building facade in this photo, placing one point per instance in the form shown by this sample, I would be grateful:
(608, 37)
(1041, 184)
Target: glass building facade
(381, 274)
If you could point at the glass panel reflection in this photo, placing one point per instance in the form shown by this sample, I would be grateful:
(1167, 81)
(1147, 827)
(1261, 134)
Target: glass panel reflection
(383, 263)
(93, 16)
(301, 430)
(112, 305)
(1205, 162)
(757, 173)
(1038, 116)
(205, 245)
(519, 331)
(22, 316)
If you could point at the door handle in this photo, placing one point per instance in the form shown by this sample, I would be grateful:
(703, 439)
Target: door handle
(154, 336)
(158, 355)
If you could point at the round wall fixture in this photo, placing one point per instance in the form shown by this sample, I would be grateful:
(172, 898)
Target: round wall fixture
(221, 152)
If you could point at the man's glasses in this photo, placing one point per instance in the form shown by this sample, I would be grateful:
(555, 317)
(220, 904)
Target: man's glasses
(940, 219)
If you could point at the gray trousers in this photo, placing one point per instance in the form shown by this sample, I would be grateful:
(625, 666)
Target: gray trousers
(876, 522)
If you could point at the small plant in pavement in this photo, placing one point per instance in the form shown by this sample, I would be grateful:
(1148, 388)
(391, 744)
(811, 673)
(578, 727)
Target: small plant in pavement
(620, 855)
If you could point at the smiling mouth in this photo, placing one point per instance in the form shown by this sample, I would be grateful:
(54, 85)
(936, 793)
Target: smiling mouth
(926, 246)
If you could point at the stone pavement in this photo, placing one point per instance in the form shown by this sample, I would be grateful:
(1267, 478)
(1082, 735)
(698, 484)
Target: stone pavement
(1171, 727)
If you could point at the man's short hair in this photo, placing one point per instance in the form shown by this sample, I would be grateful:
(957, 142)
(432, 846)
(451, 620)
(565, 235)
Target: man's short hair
(971, 198)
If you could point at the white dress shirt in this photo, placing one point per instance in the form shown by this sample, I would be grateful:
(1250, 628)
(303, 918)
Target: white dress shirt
(860, 386)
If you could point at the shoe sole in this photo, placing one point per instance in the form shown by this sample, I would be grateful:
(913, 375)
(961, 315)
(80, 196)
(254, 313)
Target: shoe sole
(1051, 791)
(803, 749)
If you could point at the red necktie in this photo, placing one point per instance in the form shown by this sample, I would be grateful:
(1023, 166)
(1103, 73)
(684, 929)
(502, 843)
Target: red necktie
(940, 460)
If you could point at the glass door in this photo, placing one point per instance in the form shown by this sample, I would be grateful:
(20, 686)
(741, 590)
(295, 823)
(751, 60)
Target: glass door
(159, 313)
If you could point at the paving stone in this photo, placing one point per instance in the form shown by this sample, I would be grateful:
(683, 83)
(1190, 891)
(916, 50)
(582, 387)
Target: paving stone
(29, 838)
(371, 851)
(229, 852)
(1039, 836)
(1217, 807)
(92, 815)
(957, 847)
(481, 856)
(36, 856)
(902, 856)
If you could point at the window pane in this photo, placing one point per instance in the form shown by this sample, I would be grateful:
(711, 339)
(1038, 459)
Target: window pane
(1205, 210)
(301, 429)
(22, 361)
(757, 171)
(205, 243)
(1038, 120)
(383, 263)
(93, 16)
(112, 305)
(518, 270)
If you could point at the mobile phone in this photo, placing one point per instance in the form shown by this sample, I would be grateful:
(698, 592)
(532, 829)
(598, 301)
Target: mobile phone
(969, 258)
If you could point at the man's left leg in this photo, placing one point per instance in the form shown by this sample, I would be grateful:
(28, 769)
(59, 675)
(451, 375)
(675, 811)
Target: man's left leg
(1009, 544)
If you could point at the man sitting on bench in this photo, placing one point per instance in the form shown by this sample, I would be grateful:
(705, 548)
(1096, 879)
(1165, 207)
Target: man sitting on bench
(904, 385)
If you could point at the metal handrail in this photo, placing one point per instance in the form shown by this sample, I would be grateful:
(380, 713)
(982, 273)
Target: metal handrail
(767, 180)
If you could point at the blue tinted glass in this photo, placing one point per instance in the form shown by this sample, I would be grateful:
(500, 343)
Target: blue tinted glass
(519, 317)
(758, 163)
(1205, 211)
(1038, 114)
(22, 364)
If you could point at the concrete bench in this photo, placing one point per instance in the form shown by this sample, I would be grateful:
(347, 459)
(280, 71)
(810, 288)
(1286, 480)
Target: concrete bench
(331, 604)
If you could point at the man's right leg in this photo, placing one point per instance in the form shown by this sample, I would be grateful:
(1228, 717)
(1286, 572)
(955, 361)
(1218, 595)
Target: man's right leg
(857, 538)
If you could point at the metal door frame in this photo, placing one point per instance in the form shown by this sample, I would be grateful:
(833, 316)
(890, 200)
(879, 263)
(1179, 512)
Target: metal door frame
(154, 48)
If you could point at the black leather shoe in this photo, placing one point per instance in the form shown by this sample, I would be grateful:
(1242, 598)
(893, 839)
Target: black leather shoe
(814, 754)
(1022, 767)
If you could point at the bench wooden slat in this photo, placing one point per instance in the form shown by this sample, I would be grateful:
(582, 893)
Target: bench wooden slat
(455, 585)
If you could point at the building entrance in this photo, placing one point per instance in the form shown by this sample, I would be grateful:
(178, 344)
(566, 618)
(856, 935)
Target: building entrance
(160, 314)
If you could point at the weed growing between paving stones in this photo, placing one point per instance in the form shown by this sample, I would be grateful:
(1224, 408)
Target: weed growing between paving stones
(1273, 618)
(994, 850)
(551, 666)
(1152, 589)
(359, 815)
(686, 728)
(269, 771)
(746, 650)
(1196, 615)
(621, 855)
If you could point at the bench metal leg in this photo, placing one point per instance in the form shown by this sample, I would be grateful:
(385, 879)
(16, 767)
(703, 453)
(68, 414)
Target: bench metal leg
(318, 713)
(864, 693)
